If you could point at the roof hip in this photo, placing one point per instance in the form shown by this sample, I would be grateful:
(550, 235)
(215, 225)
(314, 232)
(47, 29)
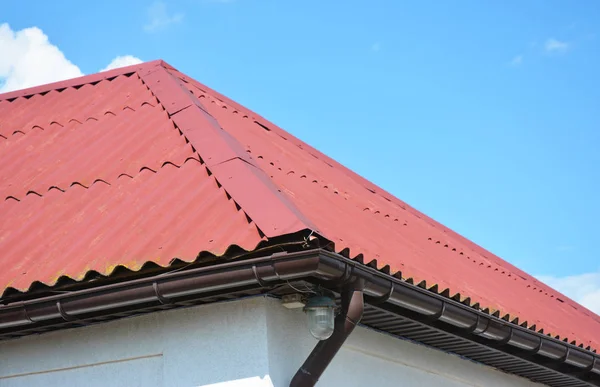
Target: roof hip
(224, 157)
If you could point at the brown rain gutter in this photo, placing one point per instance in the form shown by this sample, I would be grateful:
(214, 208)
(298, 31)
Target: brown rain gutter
(317, 265)
(164, 289)
(352, 310)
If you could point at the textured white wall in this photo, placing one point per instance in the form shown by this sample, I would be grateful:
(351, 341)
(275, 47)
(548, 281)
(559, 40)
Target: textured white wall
(186, 347)
(252, 343)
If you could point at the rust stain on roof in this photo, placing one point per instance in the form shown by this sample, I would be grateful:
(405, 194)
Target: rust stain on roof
(144, 164)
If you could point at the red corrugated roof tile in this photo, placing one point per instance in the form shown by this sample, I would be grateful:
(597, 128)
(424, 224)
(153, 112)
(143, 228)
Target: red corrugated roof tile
(144, 164)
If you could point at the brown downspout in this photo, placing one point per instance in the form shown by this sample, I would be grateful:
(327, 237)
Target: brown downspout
(320, 357)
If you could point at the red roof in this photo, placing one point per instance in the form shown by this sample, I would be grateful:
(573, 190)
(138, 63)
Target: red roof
(143, 164)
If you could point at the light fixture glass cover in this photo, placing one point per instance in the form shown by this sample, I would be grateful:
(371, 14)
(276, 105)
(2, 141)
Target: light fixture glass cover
(321, 317)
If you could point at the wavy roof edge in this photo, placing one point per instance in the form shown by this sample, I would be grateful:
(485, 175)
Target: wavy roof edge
(94, 278)
(83, 80)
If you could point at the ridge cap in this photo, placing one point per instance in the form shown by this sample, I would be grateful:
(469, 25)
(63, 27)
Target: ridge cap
(224, 157)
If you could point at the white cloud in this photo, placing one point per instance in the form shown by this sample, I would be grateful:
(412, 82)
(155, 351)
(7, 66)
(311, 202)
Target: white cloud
(583, 288)
(159, 17)
(122, 61)
(29, 59)
(517, 60)
(556, 46)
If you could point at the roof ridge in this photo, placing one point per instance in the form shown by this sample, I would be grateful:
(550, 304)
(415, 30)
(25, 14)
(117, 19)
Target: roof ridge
(249, 186)
(79, 81)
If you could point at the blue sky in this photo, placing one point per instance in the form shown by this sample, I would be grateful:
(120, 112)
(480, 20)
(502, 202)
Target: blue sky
(484, 115)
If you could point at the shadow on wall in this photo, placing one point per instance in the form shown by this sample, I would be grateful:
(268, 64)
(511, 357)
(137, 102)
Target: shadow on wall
(255, 381)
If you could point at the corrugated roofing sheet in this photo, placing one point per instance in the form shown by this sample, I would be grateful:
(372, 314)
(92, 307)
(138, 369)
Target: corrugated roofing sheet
(145, 164)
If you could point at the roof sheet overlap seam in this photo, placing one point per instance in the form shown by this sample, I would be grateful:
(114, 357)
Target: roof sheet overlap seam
(44, 127)
(232, 159)
(171, 114)
(104, 181)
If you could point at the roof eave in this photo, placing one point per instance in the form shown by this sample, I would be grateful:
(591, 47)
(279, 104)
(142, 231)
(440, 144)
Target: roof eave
(330, 270)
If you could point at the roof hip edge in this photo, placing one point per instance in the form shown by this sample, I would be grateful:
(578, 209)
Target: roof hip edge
(233, 168)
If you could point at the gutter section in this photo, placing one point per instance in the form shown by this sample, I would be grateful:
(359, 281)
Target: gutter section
(163, 289)
(328, 269)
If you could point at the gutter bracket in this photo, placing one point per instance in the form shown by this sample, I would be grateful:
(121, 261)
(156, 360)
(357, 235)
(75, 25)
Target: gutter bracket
(258, 278)
(382, 299)
(162, 299)
(64, 314)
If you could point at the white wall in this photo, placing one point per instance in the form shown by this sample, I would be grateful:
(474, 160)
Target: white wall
(370, 358)
(255, 342)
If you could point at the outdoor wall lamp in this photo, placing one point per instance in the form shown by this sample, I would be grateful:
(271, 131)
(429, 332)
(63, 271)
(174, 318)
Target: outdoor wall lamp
(321, 316)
